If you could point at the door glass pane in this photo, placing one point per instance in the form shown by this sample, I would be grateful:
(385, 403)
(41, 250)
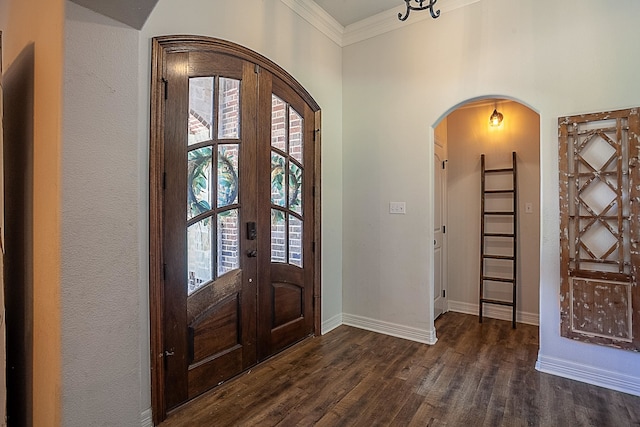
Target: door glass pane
(278, 236)
(199, 255)
(198, 181)
(278, 183)
(200, 109)
(295, 135)
(229, 109)
(228, 241)
(278, 123)
(227, 174)
(295, 188)
(295, 241)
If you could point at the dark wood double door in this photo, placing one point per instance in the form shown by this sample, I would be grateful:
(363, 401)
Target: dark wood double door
(235, 215)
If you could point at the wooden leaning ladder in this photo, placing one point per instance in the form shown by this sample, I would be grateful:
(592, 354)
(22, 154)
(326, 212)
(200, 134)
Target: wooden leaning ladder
(512, 236)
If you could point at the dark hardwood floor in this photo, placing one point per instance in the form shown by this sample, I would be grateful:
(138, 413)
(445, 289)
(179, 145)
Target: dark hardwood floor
(475, 375)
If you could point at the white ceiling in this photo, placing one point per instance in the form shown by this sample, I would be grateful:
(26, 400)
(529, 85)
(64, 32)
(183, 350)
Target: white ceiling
(135, 12)
(347, 12)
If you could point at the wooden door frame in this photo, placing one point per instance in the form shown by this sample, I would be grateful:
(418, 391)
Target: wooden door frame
(161, 46)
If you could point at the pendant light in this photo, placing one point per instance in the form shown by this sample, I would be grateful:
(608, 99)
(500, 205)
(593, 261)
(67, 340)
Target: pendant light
(496, 118)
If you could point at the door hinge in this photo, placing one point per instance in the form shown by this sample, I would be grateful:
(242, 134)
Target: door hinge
(444, 293)
(444, 229)
(164, 271)
(165, 84)
(164, 180)
(313, 191)
(315, 132)
(313, 246)
(256, 69)
(165, 354)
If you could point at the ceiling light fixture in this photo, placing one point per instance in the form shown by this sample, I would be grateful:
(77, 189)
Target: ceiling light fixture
(496, 118)
(421, 6)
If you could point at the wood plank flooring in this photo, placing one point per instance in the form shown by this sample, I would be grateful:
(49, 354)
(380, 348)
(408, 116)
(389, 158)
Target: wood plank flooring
(475, 375)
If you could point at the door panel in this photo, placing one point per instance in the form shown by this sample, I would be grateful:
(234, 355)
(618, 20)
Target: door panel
(286, 210)
(210, 312)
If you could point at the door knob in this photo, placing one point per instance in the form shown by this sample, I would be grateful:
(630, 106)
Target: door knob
(252, 253)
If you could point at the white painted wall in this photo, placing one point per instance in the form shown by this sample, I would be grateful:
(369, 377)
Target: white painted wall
(469, 136)
(106, 378)
(560, 58)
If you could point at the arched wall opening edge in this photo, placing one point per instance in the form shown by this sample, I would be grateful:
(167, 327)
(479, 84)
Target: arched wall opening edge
(431, 189)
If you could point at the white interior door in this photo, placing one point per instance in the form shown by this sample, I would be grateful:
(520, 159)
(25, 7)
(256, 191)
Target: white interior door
(439, 222)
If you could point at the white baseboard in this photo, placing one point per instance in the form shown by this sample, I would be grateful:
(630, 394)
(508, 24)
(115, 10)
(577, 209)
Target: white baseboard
(331, 323)
(393, 329)
(494, 312)
(589, 374)
(146, 420)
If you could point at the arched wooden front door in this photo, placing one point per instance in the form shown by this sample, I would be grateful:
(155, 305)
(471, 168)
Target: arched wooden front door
(234, 205)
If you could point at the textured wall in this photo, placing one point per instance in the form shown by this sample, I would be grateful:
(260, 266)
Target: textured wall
(101, 199)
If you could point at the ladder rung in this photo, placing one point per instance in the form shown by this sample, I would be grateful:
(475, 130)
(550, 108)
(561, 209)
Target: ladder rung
(498, 257)
(498, 191)
(497, 279)
(503, 170)
(496, 301)
(499, 235)
(500, 213)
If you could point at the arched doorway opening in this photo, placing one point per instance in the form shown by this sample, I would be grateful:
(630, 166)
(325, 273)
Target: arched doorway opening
(461, 135)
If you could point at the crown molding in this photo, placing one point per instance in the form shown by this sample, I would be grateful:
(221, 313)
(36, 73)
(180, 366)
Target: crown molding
(370, 27)
(388, 21)
(318, 17)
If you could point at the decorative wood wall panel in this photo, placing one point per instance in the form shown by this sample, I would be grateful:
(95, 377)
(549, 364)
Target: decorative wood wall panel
(599, 220)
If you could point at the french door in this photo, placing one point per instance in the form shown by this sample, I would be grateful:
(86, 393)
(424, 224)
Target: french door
(233, 215)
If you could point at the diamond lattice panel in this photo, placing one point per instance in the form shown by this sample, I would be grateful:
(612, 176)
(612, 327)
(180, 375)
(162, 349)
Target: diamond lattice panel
(597, 152)
(597, 196)
(599, 240)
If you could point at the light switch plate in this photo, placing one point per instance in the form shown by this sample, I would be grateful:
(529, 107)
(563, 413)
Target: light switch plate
(397, 207)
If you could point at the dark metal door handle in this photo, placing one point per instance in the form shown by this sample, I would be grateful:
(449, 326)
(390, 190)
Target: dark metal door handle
(252, 253)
